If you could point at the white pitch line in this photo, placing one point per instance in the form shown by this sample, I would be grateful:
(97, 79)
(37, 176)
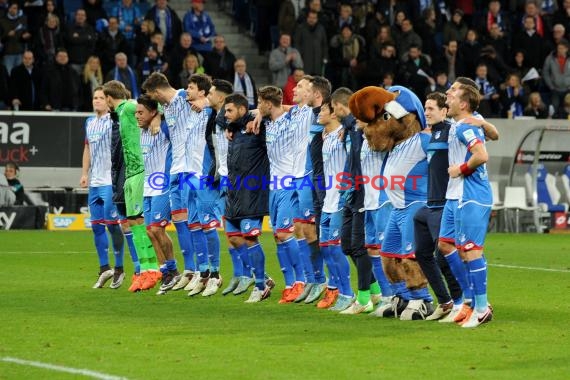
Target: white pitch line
(529, 268)
(50, 252)
(53, 367)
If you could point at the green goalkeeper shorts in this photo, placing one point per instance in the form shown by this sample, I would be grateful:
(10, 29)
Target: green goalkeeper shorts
(134, 194)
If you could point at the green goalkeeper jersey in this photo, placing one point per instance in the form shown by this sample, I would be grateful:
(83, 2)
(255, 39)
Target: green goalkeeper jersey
(130, 138)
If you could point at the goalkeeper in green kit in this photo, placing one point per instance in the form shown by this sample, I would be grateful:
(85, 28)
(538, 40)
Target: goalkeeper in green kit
(117, 98)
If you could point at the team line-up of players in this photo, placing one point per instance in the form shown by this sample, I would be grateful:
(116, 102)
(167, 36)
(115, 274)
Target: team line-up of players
(207, 131)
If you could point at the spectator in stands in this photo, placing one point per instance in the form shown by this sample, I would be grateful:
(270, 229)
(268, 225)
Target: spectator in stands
(199, 25)
(520, 67)
(407, 38)
(345, 16)
(312, 43)
(286, 17)
(564, 111)
(91, 78)
(556, 73)
(110, 42)
(60, 85)
(4, 87)
(494, 15)
(512, 97)
(559, 33)
(48, 39)
(456, 28)
(397, 26)
(348, 54)
(34, 13)
(142, 39)
(451, 62)
(324, 17)
(244, 83)
(427, 29)
(536, 107)
(380, 64)
(25, 84)
(441, 84)
(219, 63)
(291, 84)
(176, 57)
(80, 40)
(94, 11)
(388, 80)
(11, 171)
(415, 71)
(14, 35)
(497, 69)
(470, 50)
(283, 60)
(563, 15)
(51, 8)
(157, 39)
(152, 63)
(496, 39)
(531, 41)
(124, 74)
(532, 10)
(488, 90)
(166, 20)
(130, 18)
(190, 66)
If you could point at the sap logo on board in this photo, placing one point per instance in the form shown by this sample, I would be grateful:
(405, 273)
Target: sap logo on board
(63, 221)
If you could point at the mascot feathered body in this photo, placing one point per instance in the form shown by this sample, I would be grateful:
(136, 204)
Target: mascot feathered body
(395, 119)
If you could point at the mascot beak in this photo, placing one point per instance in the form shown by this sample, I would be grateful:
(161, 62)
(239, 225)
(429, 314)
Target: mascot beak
(395, 109)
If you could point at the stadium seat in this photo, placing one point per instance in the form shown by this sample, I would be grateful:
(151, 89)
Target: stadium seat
(547, 193)
(565, 177)
(515, 199)
(497, 203)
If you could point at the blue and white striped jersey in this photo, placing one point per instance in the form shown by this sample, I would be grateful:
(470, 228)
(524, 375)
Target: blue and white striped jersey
(280, 139)
(454, 189)
(475, 187)
(334, 159)
(406, 172)
(157, 155)
(196, 146)
(177, 116)
(98, 131)
(221, 144)
(371, 164)
(301, 120)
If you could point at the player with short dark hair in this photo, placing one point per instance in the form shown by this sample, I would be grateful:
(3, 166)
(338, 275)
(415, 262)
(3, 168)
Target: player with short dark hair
(245, 208)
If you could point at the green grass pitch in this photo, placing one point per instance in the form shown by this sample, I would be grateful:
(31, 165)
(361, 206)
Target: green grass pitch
(50, 314)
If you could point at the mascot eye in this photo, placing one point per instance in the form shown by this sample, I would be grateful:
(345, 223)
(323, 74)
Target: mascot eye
(386, 116)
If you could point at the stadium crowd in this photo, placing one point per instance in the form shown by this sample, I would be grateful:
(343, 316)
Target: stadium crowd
(516, 51)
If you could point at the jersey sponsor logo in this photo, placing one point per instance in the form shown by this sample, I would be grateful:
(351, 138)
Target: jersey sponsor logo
(437, 135)
(409, 247)
(469, 135)
(247, 226)
(469, 246)
(286, 221)
(255, 232)
(163, 223)
(157, 216)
